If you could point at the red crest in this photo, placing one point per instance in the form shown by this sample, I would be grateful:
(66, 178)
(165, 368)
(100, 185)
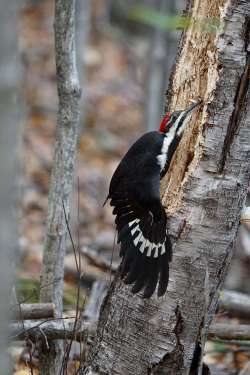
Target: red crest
(164, 122)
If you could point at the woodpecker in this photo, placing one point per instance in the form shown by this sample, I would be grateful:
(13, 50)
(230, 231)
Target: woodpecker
(141, 220)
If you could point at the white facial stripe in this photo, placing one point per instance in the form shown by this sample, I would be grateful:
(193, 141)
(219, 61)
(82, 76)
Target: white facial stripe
(179, 119)
(162, 158)
(183, 125)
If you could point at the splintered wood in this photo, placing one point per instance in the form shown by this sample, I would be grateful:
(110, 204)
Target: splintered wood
(196, 75)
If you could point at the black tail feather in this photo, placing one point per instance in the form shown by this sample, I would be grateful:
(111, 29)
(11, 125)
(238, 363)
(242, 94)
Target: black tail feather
(152, 280)
(168, 246)
(133, 272)
(144, 275)
(125, 249)
(128, 258)
(123, 233)
(140, 282)
(145, 248)
(145, 272)
(164, 276)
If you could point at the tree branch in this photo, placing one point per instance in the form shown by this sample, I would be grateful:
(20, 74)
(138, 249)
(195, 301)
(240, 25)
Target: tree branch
(99, 260)
(64, 330)
(33, 311)
(235, 303)
(52, 329)
(229, 331)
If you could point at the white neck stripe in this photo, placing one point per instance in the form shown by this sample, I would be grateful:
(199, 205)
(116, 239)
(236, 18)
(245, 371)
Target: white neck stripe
(168, 139)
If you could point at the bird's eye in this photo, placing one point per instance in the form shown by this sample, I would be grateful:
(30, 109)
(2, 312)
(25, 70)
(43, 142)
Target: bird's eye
(173, 117)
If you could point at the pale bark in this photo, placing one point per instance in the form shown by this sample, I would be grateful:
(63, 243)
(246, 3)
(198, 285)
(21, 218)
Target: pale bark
(204, 191)
(98, 260)
(62, 171)
(235, 303)
(92, 311)
(51, 330)
(229, 331)
(33, 311)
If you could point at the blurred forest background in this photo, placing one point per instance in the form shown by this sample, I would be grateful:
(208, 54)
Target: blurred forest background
(124, 62)
(119, 79)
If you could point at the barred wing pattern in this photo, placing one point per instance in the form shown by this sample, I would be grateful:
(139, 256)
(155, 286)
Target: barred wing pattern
(145, 247)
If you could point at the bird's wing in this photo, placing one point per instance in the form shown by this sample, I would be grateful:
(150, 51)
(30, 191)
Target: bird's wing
(141, 223)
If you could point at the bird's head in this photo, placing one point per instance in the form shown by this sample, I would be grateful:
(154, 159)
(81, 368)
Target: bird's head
(177, 121)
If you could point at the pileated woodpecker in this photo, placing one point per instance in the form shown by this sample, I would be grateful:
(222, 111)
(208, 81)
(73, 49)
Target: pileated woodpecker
(141, 219)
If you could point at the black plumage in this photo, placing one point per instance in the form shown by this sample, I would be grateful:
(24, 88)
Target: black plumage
(134, 194)
(141, 220)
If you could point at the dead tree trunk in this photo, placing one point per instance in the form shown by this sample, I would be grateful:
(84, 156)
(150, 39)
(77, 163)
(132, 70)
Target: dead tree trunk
(204, 192)
(62, 172)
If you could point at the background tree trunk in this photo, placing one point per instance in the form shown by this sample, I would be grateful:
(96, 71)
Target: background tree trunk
(9, 134)
(62, 173)
(162, 51)
(83, 15)
(204, 192)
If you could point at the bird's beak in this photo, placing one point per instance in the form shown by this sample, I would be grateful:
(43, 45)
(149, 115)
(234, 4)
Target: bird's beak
(184, 117)
(192, 108)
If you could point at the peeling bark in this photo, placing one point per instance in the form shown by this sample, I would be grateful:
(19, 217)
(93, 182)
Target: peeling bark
(204, 192)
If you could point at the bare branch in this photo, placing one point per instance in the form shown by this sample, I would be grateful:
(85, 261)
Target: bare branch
(33, 311)
(52, 329)
(235, 303)
(98, 260)
(229, 331)
(64, 329)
